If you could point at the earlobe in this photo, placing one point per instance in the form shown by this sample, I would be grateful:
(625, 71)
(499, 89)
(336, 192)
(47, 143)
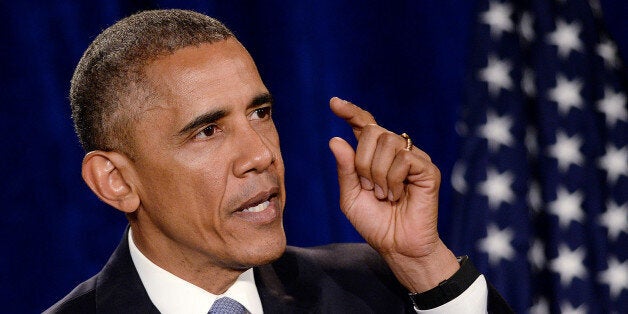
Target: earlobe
(106, 174)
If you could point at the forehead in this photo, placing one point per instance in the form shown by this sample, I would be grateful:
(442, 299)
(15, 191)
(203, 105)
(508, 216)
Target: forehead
(208, 75)
(207, 69)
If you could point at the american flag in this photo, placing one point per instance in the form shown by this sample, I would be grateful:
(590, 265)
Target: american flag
(542, 180)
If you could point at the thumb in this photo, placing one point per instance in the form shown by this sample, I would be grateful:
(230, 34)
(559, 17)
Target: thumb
(345, 162)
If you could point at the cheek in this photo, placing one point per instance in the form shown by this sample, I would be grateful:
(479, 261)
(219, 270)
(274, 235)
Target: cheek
(185, 188)
(203, 182)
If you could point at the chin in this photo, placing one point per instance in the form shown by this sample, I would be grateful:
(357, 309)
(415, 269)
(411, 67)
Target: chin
(266, 252)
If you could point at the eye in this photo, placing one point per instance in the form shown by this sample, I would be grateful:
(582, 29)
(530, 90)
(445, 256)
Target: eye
(261, 113)
(206, 132)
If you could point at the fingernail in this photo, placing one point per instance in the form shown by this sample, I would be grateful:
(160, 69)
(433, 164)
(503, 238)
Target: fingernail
(366, 184)
(391, 197)
(344, 101)
(379, 193)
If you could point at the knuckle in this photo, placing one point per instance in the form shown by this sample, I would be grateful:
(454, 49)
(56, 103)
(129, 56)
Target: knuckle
(426, 156)
(371, 127)
(369, 130)
(368, 116)
(434, 173)
(406, 156)
(389, 139)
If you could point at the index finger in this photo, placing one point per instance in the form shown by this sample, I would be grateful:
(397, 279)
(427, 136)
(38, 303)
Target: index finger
(357, 117)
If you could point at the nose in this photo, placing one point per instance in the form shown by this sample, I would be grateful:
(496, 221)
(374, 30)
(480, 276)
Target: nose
(255, 154)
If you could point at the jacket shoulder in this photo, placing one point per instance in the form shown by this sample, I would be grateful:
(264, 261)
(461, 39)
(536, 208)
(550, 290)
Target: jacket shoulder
(347, 278)
(81, 299)
(356, 257)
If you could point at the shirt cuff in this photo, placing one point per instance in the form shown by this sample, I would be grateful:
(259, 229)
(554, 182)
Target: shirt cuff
(471, 301)
(466, 288)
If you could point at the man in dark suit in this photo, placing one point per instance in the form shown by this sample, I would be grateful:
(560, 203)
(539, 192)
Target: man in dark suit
(178, 128)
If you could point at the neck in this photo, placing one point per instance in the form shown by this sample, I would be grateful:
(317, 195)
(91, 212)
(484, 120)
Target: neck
(188, 265)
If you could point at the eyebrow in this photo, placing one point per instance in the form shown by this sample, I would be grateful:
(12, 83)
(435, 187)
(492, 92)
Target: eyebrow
(263, 98)
(213, 116)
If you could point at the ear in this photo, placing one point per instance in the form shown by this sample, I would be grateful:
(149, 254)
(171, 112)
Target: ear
(109, 175)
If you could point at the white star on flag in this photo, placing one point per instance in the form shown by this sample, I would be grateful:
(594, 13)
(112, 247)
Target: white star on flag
(543, 165)
(568, 207)
(497, 131)
(527, 82)
(615, 162)
(615, 219)
(457, 177)
(498, 188)
(536, 254)
(566, 94)
(608, 51)
(535, 201)
(531, 141)
(596, 7)
(565, 37)
(569, 264)
(497, 244)
(567, 308)
(526, 28)
(496, 75)
(613, 105)
(498, 18)
(541, 306)
(615, 276)
(566, 150)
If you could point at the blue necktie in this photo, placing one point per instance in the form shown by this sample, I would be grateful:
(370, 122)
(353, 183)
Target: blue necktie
(227, 305)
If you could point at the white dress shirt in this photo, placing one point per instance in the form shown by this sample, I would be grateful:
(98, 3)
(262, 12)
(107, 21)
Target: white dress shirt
(171, 294)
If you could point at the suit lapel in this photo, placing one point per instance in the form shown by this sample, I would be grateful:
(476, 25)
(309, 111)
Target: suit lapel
(282, 290)
(119, 288)
(273, 295)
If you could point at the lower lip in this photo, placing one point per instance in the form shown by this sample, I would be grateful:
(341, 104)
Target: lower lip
(266, 216)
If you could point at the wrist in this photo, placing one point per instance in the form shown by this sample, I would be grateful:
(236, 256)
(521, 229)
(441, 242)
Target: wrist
(420, 274)
(448, 289)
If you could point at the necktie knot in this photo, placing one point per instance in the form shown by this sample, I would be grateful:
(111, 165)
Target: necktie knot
(227, 305)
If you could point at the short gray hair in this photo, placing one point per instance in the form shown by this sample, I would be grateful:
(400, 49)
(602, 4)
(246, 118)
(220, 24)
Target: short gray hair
(108, 78)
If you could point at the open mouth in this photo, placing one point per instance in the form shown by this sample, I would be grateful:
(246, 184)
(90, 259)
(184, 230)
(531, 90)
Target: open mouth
(262, 209)
(259, 202)
(257, 208)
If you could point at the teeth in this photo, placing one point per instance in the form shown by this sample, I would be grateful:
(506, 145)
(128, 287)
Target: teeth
(258, 208)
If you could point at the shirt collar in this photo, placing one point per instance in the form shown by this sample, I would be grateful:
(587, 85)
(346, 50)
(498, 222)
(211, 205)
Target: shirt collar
(171, 294)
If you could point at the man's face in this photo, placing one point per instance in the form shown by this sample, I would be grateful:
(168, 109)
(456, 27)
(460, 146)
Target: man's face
(210, 173)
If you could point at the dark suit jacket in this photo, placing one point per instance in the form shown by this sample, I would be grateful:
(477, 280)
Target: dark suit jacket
(337, 278)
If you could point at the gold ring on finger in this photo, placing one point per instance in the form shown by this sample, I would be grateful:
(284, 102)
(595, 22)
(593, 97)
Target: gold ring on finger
(408, 141)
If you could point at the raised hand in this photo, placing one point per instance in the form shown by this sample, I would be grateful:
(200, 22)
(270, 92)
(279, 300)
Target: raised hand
(390, 195)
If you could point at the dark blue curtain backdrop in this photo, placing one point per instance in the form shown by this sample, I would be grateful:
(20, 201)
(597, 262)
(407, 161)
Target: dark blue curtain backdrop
(402, 60)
